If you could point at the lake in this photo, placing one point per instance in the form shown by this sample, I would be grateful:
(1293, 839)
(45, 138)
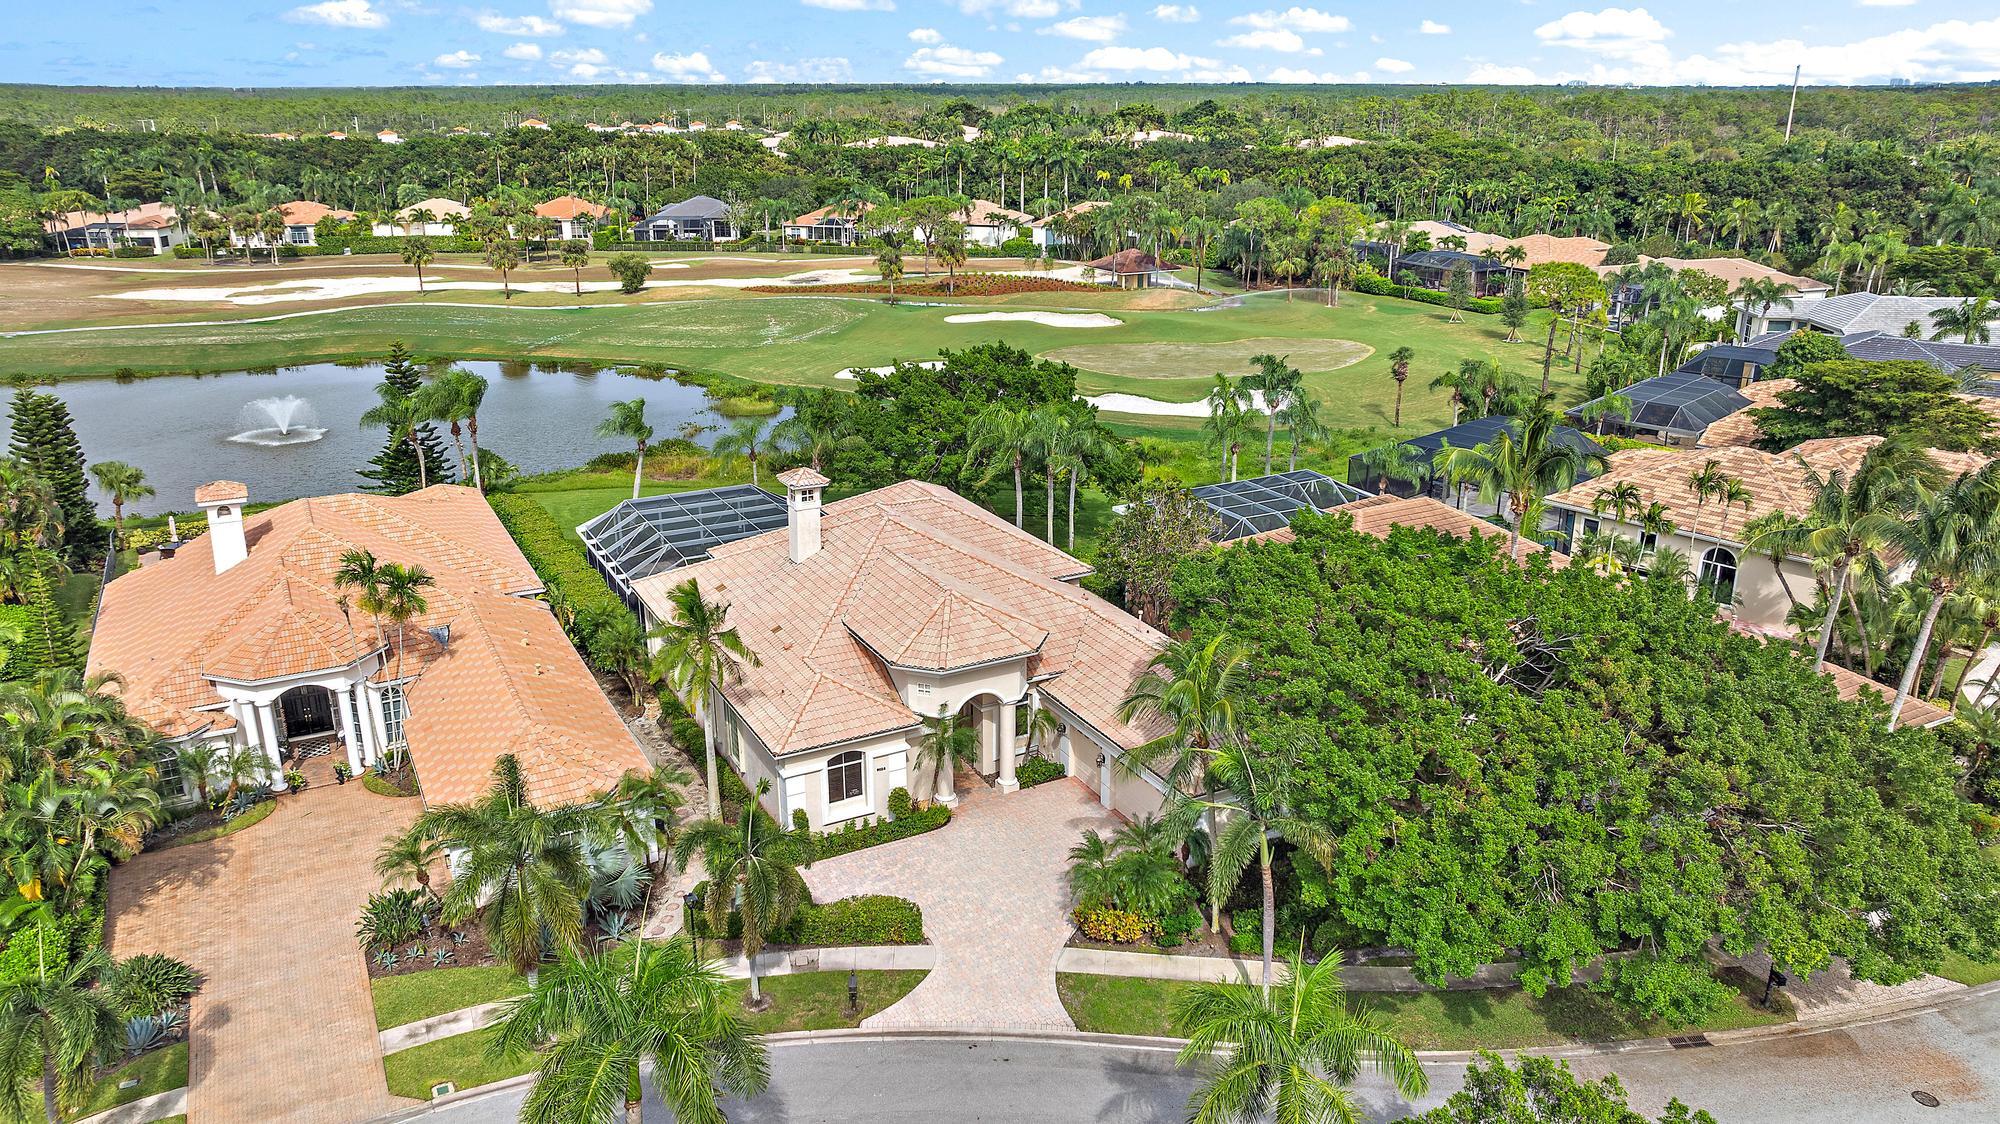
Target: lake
(296, 432)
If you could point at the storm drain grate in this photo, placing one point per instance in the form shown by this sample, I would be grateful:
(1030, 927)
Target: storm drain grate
(1924, 1097)
(1689, 1041)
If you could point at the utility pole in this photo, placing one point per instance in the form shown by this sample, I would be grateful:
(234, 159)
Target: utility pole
(1795, 102)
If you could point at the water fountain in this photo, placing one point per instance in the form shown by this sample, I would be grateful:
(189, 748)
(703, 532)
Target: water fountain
(286, 421)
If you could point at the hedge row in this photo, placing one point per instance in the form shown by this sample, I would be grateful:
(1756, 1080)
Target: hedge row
(583, 600)
(865, 920)
(852, 838)
(1383, 287)
(1038, 770)
(54, 943)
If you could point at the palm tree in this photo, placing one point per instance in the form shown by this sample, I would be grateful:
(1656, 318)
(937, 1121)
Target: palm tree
(945, 744)
(1302, 424)
(1001, 434)
(628, 420)
(746, 439)
(576, 255)
(1287, 1056)
(1260, 807)
(1048, 433)
(197, 761)
(456, 396)
(1851, 519)
(698, 653)
(1075, 449)
(1228, 417)
(358, 570)
(753, 866)
(594, 1025)
(402, 600)
(1198, 691)
(417, 254)
(1949, 535)
(403, 416)
(1399, 369)
(1971, 320)
(503, 257)
(1279, 382)
(889, 263)
(1523, 463)
(409, 857)
(1400, 461)
(619, 646)
(54, 1028)
(122, 483)
(520, 866)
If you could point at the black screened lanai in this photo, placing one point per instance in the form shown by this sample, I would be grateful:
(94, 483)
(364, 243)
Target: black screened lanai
(653, 534)
(1266, 503)
(1678, 406)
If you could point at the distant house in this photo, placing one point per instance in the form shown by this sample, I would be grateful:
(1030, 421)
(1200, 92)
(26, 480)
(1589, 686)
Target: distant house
(702, 218)
(1131, 268)
(988, 223)
(1672, 409)
(1262, 504)
(827, 225)
(1847, 314)
(444, 215)
(1334, 141)
(389, 136)
(1150, 136)
(891, 142)
(153, 226)
(1470, 434)
(1044, 233)
(575, 218)
(302, 218)
(1432, 269)
(533, 123)
(1626, 300)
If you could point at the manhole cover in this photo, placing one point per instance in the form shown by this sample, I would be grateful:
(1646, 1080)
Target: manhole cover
(1924, 1098)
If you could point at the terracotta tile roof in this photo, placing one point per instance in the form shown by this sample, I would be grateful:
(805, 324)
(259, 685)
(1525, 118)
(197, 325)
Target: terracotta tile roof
(568, 207)
(1740, 428)
(1732, 271)
(1129, 260)
(1916, 712)
(932, 578)
(1075, 209)
(802, 477)
(1377, 515)
(811, 218)
(442, 210)
(985, 212)
(1776, 481)
(221, 491)
(172, 627)
(1542, 248)
(145, 216)
(305, 212)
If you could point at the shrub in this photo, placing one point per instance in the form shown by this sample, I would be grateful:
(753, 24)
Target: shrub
(1037, 770)
(153, 982)
(800, 821)
(1175, 928)
(966, 285)
(900, 804)
(1383, 287)
(631, 270)
(393, 917)
(581, 598)
(1112, 926)
(829, 844)
(869, 919)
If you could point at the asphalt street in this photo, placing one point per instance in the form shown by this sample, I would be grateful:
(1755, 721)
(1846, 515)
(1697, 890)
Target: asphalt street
(1861, 1074)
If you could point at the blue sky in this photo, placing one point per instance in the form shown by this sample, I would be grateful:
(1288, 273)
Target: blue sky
(399, 42)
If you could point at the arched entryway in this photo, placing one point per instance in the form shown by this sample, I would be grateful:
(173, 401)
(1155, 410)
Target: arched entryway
(308, 731)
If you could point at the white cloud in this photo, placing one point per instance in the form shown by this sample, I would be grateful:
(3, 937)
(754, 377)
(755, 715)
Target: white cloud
(517, 25)
(946, 61)
(1631, 35)
(340, 13)
(1394, 66)
(1632, 50)
(1487, 74)
(925, 35)
(1062, 76)
(852, 5)
(456, 60)
(1887, 3)
(1308, 20)
(588, 56)
(600, 13)
(1177, 13)
(526, 52)
(1019, 9)
(1095, 29)
(1156, 59)
(830, 69)
(1433, 27)
(1302, 76)
(693, 67)
(1270, 39)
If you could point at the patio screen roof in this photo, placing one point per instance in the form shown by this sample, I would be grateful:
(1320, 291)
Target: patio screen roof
(1685, 402)
(654, 534)
(1265, 503)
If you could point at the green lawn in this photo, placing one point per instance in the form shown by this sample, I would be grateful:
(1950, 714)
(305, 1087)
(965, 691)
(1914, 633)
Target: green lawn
(1969, 972)
(159, 1071)
(812, 1001)
(1434, 1020)
(419, 995)
(805, 340)
(250, 818)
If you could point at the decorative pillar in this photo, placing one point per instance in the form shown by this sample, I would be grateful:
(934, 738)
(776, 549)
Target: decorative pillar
(1103, 780)
(355, 699)
(989, 736)
(350, 736)
(941, 785)
(1007, 748)
(267, 734)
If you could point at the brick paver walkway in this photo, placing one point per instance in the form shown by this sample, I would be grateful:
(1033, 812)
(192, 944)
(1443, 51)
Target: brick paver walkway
(284, 1029)
(993, 887)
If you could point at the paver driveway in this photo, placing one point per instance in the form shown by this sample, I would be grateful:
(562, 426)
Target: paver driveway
(992, 885)
(284, 1028)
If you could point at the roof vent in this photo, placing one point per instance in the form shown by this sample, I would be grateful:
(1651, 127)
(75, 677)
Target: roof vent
(441, 633)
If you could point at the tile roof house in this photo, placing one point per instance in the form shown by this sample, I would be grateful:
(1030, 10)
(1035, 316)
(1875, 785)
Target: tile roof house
(829, 224)
(575, 218)
(700, 218)
(1131, 268)
(1847, 314)
(442, 223)
(1376, 516)
(302, 217)
(1047, 232)
(241, 638)
(156, 226)
(873, 615)
(988, 223)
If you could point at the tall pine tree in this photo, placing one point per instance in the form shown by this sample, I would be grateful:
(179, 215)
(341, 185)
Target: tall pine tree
(394, 469)
(45, 441)
(51, 641)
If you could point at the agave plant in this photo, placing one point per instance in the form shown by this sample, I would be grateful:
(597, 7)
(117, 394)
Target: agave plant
(441, 955)
(393, 917)
(387, 960)
(614, 927)
(150, 1032)
(460, 936)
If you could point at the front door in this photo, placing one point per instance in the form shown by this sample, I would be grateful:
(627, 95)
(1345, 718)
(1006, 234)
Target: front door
(308, 711)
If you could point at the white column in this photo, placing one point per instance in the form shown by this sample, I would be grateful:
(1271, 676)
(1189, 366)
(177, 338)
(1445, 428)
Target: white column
(1103, 781)
(1007, 748)
(355, 699)
(989, 736)
(941, 785)
(349, 735)
(267, 735)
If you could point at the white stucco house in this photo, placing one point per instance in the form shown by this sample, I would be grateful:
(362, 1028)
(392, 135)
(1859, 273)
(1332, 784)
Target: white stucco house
(241, 640)
(987, 223)
(442, 221)
(873, 614)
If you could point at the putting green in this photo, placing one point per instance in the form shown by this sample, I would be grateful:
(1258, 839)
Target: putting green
(1168, 360)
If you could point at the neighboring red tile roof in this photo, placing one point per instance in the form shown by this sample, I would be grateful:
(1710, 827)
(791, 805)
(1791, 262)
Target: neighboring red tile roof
(305, 212)
(933, 578)
(174, 626)
(1378, 515)
(1740, 428)
(221, 491)
(145, 216)
(802, 477)
(568, 207)
(1129, 260)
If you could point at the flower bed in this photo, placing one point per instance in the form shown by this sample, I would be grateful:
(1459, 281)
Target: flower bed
(1037, 770)
(967, 285)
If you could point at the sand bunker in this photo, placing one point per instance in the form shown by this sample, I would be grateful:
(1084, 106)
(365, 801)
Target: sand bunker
(337, 288)
(856, 372)
(1153, 407)
(1047, 319)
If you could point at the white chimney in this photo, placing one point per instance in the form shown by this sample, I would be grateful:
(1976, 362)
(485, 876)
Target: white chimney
(802, 489)
(222, 501)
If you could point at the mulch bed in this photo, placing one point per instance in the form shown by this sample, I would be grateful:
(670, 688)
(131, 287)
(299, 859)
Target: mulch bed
(1205, 944)
(415, 956)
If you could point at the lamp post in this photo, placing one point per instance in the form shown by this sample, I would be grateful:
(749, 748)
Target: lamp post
(853, 992)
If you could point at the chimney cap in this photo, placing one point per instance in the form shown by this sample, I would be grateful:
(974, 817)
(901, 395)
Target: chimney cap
(802, 477)
(221, 491)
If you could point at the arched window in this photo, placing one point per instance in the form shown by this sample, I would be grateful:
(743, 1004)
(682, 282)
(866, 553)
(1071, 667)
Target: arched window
(843, 776)
(1718, 575)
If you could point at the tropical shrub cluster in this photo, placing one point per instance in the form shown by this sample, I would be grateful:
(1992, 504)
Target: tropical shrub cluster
(1037, 770)
(864, 920)
(1376, 285)
(855, 835)
(1132, 885)
(1556, 766)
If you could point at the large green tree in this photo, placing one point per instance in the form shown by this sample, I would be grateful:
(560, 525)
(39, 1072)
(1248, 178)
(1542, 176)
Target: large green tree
(45, 440)
(1855, 397)
(395, 470)
(1542, 1090)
